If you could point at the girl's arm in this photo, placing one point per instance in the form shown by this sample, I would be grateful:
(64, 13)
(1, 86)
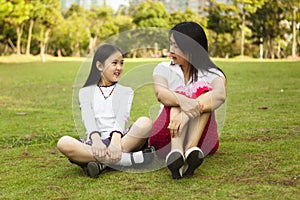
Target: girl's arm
(124, 99)
(216, 97)
(122, 103)
(87, 113)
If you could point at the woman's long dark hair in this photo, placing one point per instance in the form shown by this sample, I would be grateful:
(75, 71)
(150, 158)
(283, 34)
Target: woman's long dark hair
(192, 41)
(101, 55)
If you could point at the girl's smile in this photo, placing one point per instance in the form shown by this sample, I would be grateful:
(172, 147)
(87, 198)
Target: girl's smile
(112, 69)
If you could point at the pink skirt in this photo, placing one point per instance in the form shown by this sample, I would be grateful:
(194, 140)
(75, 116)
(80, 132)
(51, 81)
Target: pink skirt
(160, 137)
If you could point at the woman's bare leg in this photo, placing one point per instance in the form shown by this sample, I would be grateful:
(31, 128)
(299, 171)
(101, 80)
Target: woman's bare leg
(196, 128)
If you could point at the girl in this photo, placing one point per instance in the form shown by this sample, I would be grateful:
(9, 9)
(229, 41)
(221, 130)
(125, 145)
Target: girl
(105, 108)
(190, 85)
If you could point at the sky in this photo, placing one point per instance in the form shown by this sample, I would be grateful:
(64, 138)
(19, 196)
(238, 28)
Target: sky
(116, 3)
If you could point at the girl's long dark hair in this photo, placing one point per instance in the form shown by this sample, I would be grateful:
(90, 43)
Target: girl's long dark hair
(101, 55)
(192, 41)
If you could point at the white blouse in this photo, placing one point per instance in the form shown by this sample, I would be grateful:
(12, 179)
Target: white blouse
(175, 77)
(105, 116)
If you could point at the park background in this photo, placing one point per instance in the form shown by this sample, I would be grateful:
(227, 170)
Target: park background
(245, 28)
(259, 143)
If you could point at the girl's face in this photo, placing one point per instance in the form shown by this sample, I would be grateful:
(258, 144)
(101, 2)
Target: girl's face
(112, 69)
(176, 54)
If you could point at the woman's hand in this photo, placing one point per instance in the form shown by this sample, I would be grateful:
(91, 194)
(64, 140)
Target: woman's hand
(115, 149)
(99, 149)
(191, 107)
(178, 120)
(175, 120)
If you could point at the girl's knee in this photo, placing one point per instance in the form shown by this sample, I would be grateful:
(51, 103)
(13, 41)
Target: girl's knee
(144, 122)
(64, 143)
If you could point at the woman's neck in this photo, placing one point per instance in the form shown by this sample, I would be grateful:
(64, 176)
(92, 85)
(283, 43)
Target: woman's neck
(186, 72)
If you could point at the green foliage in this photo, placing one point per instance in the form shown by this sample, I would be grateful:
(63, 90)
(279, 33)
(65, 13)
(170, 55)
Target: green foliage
(222, 18)
(249, 6)
(151, 14)
(20, 11)
(268, 28)
(188, 15)
(223, 21)
(5, 8)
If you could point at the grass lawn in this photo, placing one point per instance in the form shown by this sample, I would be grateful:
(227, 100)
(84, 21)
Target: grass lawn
(258, 157)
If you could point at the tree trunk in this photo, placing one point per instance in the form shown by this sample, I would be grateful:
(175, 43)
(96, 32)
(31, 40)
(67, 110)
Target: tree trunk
(11, 44)
(272, 48)
(214, 48)
(279, 50)
(19, 30)
(243, 33)
(92, 41)
(29, 37)
(92, 44)
(43, 43)
(294, 45)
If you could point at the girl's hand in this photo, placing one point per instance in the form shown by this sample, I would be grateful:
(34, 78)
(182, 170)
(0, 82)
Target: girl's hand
(99, 149)
(114, 152)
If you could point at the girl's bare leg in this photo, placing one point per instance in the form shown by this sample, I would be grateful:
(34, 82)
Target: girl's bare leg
(75, 150)
(82, 153)
(137, 135)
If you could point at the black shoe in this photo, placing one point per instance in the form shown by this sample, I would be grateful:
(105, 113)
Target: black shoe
(82, 165)
(194, 158)
(175, 161)
(148, 154)
(94, 169)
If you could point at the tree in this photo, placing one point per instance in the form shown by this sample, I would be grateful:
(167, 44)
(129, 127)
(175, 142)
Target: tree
(151, 14)
(188, 15)
(33, 15)
(246, 7)
(221, 20)
(5, 9)
(17, 18)
(265, 24)
(97, 26)
(291, 8)
(49, 16)
(152, 19)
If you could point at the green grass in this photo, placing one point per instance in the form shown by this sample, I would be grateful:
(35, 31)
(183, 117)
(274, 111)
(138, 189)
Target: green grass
(258, 156)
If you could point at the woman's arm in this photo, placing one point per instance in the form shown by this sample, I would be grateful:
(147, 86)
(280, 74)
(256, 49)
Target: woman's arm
(216, 97)
(163, 94)
(169, 98)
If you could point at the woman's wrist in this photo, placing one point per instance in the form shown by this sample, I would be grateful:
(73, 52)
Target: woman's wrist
(200, 106)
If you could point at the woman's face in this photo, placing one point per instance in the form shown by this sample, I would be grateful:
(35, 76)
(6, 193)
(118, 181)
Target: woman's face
(112, 69)
(176, 54)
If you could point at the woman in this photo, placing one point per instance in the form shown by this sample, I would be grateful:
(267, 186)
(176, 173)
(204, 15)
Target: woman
(190, 87)
(105, 108)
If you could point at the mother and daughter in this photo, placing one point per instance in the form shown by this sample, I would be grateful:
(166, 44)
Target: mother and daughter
(189, 87)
